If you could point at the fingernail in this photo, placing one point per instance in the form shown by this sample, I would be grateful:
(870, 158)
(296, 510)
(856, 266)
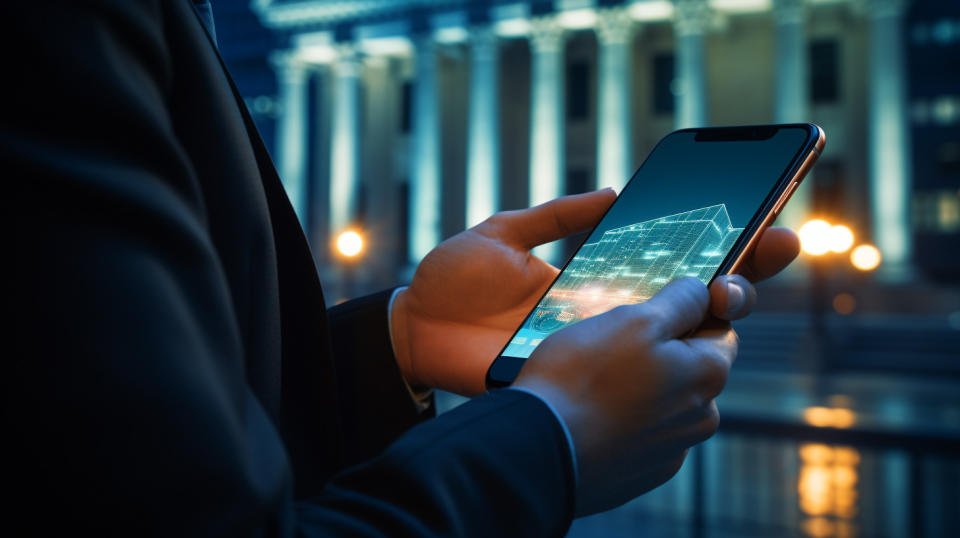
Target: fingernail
(735, 298)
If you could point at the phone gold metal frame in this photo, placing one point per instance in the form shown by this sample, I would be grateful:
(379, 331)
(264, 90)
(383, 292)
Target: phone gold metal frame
(781, 201)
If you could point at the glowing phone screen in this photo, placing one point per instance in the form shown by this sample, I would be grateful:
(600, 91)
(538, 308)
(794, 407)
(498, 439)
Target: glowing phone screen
(679, 215)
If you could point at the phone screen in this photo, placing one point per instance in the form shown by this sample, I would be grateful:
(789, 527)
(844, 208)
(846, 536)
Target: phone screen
(680, 215)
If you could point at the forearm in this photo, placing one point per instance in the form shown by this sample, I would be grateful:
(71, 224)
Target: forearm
(495, 466)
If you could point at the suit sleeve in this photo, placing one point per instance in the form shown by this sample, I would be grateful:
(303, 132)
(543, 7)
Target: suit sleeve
(496, 466)
(375, 404)
(126, 407)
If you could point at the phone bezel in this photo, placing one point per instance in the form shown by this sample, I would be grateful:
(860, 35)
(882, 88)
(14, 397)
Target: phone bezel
(505, 368)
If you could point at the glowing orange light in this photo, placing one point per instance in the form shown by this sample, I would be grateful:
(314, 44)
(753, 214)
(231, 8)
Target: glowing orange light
(865, 257)
(844, 476)
(816, 454)
(349, 243)
(815, 237)
(834, 417)
(843, 418)
(841, 238)
(827, 488)
(818, 527)
(846, 456)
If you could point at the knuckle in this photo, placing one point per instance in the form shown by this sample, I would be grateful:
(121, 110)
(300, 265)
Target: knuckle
(712, 420)
(632, 318)
(715, 368)
(734, 342)
(709, 424)
(674, 466)
(643, 317)
(695, 291)
(497, 219)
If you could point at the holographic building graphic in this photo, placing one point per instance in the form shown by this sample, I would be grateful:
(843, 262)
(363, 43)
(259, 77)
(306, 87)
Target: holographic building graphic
(629, 265)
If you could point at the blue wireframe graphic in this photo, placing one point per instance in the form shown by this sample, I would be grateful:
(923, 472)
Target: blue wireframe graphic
(629, 265)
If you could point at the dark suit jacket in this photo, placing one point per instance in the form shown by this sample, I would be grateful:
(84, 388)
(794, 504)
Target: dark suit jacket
(174, 370)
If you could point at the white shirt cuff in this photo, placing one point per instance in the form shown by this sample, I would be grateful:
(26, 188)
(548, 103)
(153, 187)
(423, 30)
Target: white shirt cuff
(420, 398)
(566, 431)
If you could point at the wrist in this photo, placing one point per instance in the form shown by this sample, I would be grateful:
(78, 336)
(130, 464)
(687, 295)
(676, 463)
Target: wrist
(399, 335)
(574, 416)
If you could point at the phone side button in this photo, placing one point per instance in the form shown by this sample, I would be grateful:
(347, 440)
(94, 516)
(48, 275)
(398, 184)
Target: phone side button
(784, 197)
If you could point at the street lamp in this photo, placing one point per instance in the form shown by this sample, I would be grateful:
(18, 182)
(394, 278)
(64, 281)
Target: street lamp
(349, 246)
(841, 238)
(865, 257)
(350, 243)
(815, 237)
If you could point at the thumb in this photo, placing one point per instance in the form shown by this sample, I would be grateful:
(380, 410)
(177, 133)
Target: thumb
(680, 307)
(555, 219)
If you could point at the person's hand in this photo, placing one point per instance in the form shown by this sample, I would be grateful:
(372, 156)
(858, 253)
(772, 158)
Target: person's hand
(471, 292)
(635, 387)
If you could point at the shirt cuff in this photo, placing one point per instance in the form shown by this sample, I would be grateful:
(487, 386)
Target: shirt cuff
(421, 398)
(563, 425)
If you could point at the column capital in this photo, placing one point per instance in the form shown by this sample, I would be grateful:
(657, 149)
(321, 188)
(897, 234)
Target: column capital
(348, 59)
(789, 11)
(347, 51)
(691, 16)
(288, 64)
(483, 38)
(614, 25)
(546, 34)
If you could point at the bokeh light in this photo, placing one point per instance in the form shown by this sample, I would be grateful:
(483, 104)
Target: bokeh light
(350, 243)
(844, 303)
(865, 257)
(841, 238)
(827, 489)
(829, 417)
(815, 237)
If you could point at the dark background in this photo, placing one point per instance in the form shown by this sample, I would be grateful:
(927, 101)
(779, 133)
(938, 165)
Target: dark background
(842, 414)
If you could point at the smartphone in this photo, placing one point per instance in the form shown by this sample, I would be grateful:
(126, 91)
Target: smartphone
(695, 207)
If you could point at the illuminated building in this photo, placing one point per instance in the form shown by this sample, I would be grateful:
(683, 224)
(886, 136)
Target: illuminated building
(455, 110)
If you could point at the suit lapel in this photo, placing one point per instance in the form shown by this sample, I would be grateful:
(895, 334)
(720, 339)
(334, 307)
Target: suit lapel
(310, 417)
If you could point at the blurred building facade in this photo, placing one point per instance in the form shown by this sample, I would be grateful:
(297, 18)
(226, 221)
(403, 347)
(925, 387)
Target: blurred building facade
(416, 119)
(413, 119)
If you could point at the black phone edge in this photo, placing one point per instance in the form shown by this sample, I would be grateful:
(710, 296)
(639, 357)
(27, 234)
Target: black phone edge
(504, 369)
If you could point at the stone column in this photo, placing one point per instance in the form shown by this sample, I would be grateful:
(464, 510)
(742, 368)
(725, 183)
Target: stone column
(292, 76)
(320, 150)
(344, 153)
(691, 18)
(614, 160)
(889, 136)
(791, 100)
(483, 136)
(546, 119)
(425, 154)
